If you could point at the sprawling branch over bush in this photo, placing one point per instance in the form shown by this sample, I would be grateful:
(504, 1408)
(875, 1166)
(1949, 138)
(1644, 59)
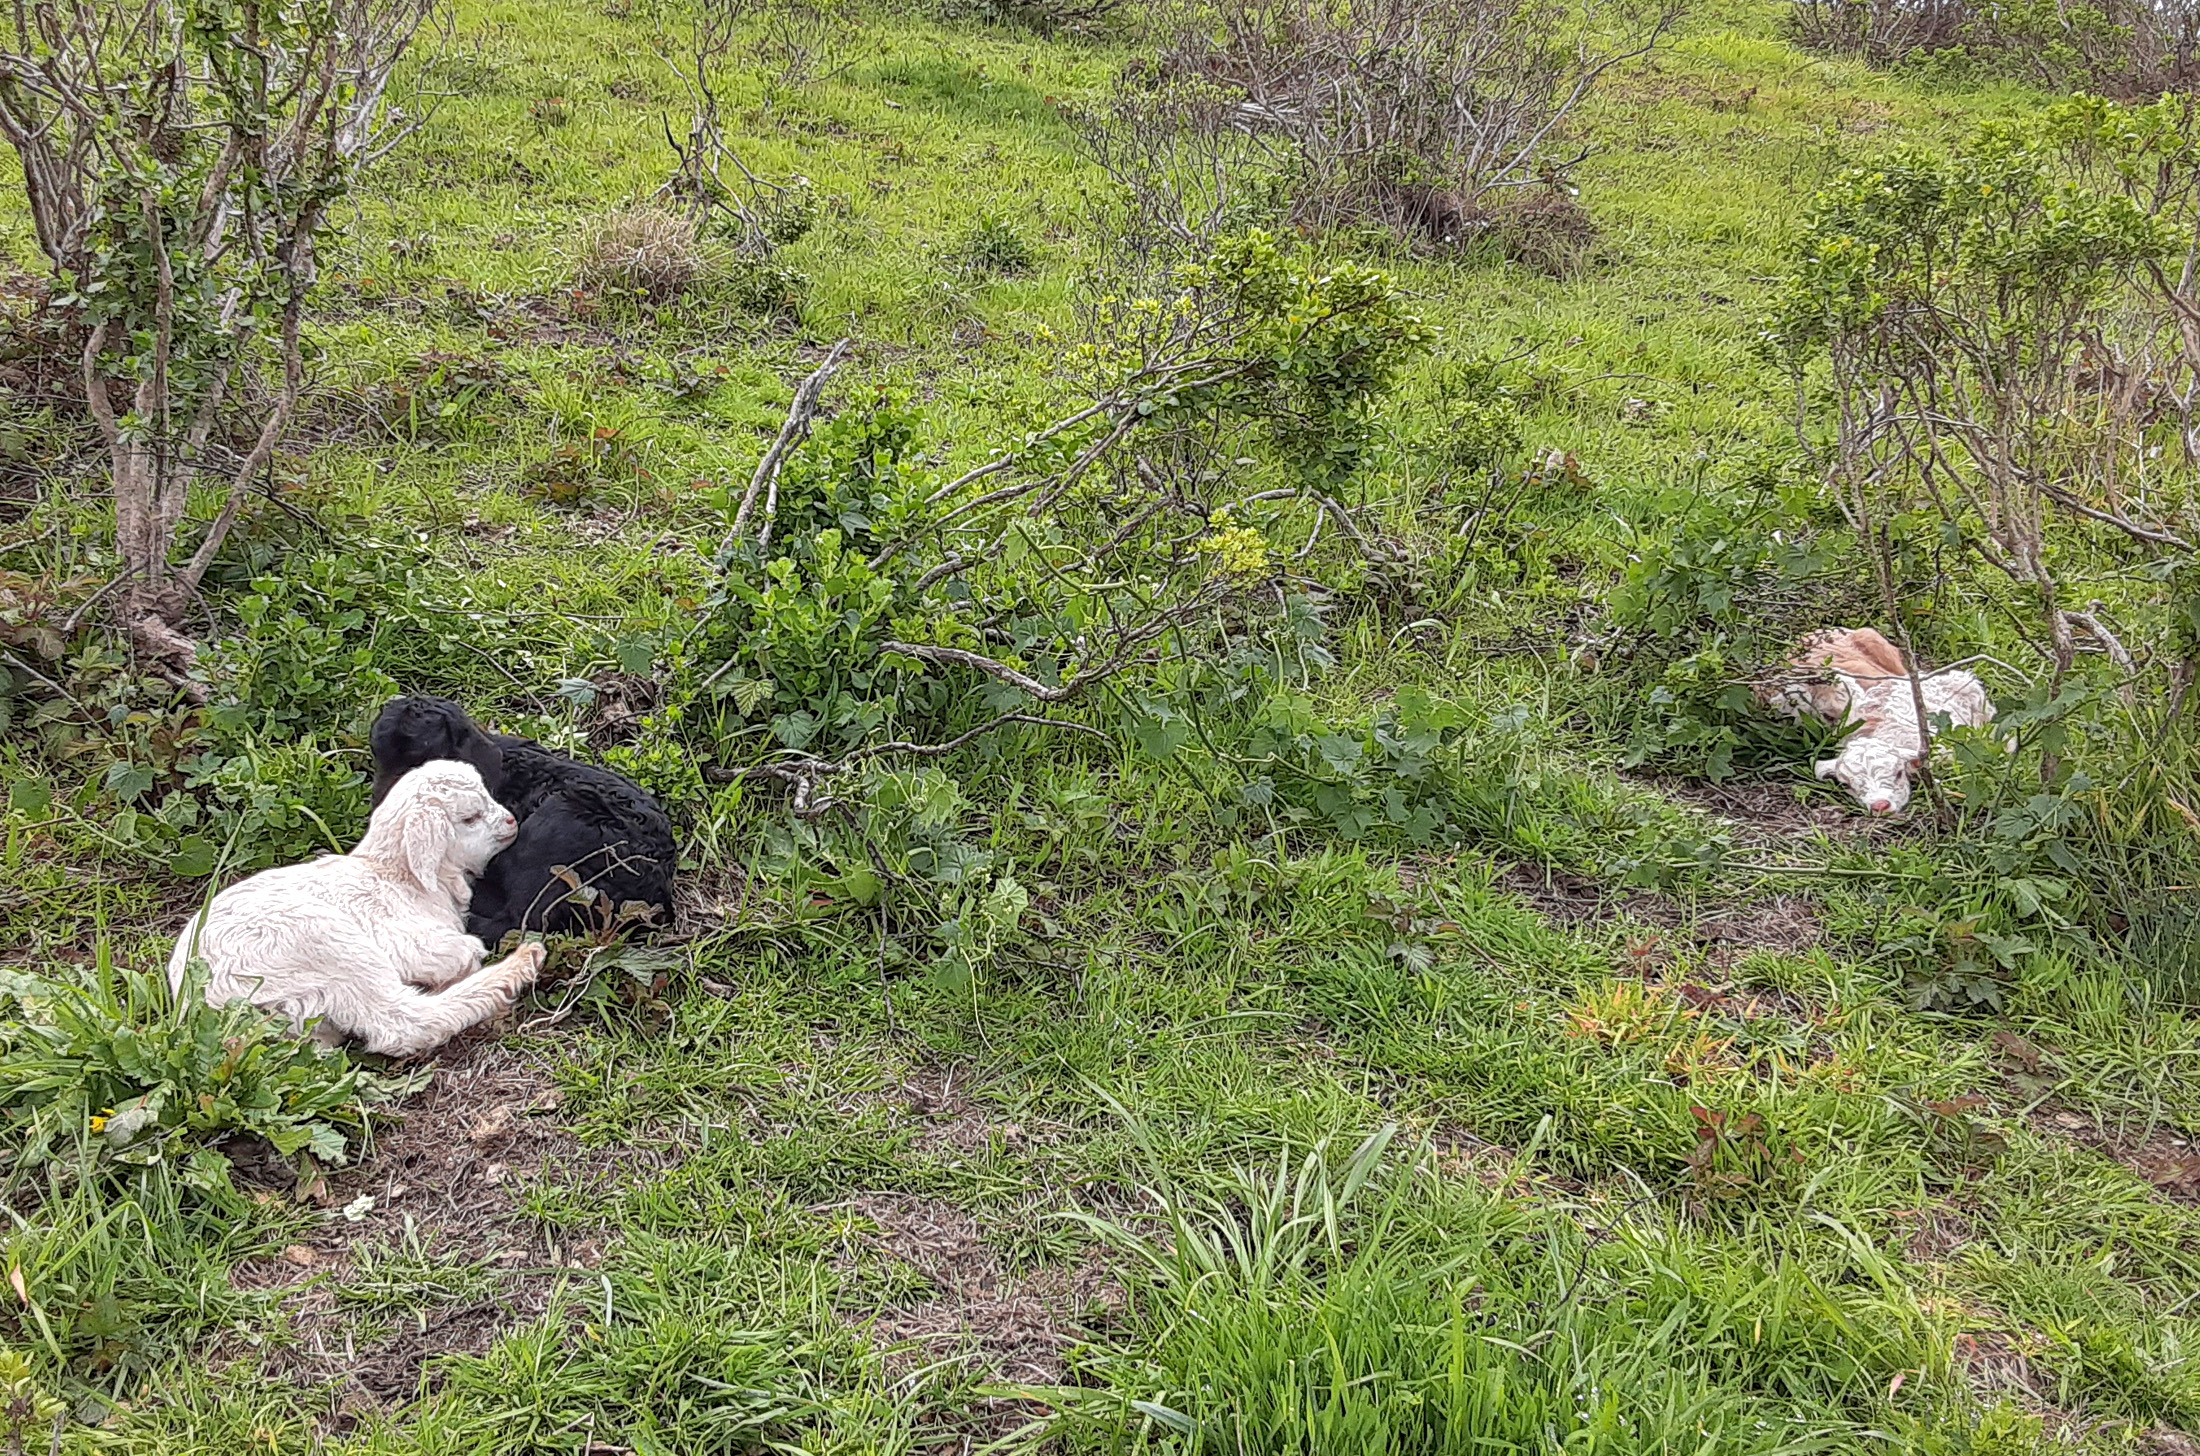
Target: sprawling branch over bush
(2011, 338)
(180, 158)
(862, 591)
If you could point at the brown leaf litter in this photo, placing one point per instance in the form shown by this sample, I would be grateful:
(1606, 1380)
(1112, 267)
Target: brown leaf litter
(2166, 1158)
(1781, 924)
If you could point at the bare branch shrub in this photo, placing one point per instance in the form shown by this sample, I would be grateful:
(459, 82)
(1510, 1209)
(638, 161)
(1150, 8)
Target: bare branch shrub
(1880, 32)
(1188, 165)
(2130, 49)
(180, 165)
(1045, 17)
(806, 40)
(755, 214)
(1423, 117)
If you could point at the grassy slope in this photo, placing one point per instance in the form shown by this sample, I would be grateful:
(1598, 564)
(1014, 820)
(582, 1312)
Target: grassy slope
(710, 1198)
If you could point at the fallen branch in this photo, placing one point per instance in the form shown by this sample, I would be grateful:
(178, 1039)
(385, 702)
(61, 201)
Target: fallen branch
(994, 668)
(2153, 535)
(806, 773)
(765, 481)
(931, 750)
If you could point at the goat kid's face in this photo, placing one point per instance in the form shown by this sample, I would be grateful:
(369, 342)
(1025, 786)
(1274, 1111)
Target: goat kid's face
(481, 829)
(440, 825)
(1879, 776)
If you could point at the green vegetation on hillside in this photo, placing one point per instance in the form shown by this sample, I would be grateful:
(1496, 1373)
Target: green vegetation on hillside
(1367, 975)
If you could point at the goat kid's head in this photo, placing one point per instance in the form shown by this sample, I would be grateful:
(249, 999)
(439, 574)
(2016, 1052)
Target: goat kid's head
(439, 826)
(1875, 772)
(416, 730)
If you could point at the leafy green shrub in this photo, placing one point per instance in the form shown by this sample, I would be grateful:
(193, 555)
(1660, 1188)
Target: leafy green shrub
(1702, 619)
(869, 545)
(1393, 776)
(802, 635)
(767, 288)
(269, 771)
(1702, 715)
(107, 1065)
(1482, 425)
(303, 656)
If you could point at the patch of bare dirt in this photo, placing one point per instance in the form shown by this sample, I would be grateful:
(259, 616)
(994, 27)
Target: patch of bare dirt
(1017, 1328)
(1011, 1329)
(1930, 1235)
(1462, 1154)
(1782, 924)
(2169, 1160)
(938, 1100)
(1766, 814)
(445, 1182)
(938, 1104)
(1787, 924)
(1561, 897)
(1993, 1365)
(708, 900)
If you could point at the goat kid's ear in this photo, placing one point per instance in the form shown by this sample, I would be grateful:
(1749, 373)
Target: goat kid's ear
(424, 835)
(1827, 767)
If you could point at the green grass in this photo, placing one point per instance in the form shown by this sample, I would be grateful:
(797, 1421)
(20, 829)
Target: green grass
(1558, 1245)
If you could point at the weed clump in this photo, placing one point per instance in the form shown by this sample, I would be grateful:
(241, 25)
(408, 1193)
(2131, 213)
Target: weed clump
(994, 247)
(647, 253)
(105, 1070)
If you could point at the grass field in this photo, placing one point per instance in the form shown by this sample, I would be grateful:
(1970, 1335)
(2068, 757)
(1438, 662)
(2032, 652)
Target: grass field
(1604, 1122)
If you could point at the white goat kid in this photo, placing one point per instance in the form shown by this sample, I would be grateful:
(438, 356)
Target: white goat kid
(371, 944)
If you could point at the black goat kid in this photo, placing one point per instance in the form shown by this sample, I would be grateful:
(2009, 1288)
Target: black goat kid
(605, 829)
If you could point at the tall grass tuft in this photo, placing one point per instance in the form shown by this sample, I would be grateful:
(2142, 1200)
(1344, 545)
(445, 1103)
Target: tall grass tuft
(1369, 1304)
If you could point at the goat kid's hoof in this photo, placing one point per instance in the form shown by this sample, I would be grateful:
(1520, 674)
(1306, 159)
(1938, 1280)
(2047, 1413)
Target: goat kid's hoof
(527, 963)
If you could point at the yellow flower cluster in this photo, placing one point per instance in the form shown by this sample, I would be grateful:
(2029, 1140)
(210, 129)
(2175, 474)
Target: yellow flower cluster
(1239, 551)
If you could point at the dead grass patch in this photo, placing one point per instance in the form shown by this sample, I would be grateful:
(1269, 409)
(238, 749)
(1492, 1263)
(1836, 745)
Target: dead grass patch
(646, 252)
